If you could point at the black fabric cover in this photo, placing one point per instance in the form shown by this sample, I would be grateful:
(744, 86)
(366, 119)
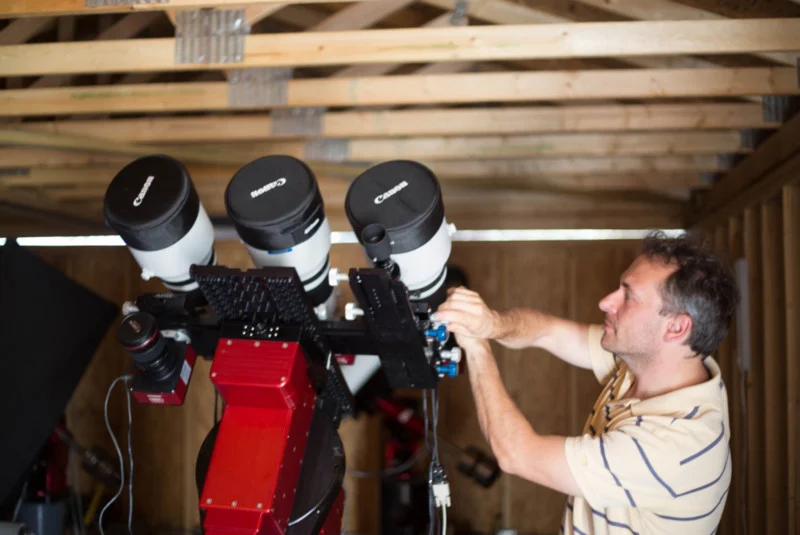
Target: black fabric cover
(50, 326)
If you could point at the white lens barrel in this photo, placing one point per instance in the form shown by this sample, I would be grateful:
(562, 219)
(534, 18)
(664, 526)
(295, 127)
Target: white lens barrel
(404, 197)
(154, 207)
(277, 209)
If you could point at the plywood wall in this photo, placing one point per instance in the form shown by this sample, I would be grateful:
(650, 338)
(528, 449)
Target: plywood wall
(763, 395)
(563, 278)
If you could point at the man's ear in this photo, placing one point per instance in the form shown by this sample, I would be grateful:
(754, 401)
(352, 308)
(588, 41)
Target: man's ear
(679, 327)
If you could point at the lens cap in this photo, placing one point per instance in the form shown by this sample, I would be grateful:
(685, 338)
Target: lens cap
(151, 203)
(402, 196)
(274, 202)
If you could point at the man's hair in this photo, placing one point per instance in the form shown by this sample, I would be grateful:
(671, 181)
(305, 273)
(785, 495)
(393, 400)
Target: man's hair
(703, 287)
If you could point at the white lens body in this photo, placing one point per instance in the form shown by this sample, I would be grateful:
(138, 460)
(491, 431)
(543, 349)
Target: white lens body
(422, 266)
(307, 258)
(172, 263)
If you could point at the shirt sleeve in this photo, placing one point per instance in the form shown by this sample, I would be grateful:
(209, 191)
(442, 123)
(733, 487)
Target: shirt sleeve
(603, 362)
(633, 467)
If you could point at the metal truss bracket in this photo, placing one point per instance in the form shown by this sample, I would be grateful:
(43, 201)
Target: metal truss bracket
(210, 36)
(327, 150)
(779, 108)
(459, 16)
(297, 121)
(728, 160)
(259, 87)
(109, 3)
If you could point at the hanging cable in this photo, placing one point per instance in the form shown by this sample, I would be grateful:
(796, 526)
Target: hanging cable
(130, 459)
(124, 378)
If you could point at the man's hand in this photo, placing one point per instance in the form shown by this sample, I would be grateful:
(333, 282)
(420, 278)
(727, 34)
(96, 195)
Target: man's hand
(468, 316)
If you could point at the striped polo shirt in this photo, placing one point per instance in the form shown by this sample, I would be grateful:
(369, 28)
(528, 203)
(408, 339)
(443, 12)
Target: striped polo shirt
(660, 465)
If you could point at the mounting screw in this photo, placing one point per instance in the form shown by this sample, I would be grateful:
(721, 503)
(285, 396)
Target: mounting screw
(257, 344)
(213, 374)
(209, 500)
(259, 505)
(234, 503)
(229, 342)
(283, 379)
(285, 345)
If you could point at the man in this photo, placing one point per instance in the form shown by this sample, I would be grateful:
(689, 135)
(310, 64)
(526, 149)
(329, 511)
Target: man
(654, 455)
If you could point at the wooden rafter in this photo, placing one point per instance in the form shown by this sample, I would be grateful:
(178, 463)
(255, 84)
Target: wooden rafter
(55, 161)
(669, 10)
(426, 122)
(426, 148)
(773, 164)
(10, 136)
(29, 8)
(545, 145)
(22, 30)
(125, 28)
(483, 43)
(97, 177)
(402, 89)
(42, 207)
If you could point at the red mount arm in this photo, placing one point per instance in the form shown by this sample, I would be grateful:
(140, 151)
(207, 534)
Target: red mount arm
(256, 461)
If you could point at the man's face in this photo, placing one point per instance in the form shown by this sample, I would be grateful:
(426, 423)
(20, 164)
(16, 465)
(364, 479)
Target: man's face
(634, 329)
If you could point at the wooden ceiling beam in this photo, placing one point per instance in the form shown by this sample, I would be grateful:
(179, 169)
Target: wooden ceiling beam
(426, 148)
(378, 69)
(669, 10)
(89, 168)
(410, 89)
(35, 204)
(10, 136)
(459, 147)
(477, 43)
(771, 162)
(506, 12)
(127, 27)
(425, 122)
(32, 8)
(23, 30)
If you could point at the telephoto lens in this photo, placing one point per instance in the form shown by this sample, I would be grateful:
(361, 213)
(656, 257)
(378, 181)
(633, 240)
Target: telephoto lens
(154, 207)
(277, 209)
(138, 333)
(403, 200)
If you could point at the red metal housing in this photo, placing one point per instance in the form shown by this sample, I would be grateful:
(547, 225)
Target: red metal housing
(255, 465)
(177, 396)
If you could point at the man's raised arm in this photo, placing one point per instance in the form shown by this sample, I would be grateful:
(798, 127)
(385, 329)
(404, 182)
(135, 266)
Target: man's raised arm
(516, 328)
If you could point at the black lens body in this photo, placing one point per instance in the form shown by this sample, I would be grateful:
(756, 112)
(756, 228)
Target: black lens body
(138, 333)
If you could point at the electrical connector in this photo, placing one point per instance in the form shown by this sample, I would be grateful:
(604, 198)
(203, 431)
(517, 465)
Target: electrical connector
(440, 486)
(441, 493)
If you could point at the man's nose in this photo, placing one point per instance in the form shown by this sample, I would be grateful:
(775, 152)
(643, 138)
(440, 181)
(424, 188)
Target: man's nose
(608, 304)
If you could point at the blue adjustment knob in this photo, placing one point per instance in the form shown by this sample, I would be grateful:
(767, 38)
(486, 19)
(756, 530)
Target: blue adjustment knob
(450, 369)
(439, 333)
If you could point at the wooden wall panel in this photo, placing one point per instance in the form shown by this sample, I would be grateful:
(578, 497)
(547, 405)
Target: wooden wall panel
(791, 246)
(536, 381)
(756, 481)
(474, 507)
(774, 367)
(735, 387)
(595, 272)
(724, 357)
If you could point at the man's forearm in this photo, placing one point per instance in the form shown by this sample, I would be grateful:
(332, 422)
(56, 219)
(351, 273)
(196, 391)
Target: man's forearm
(501, 422)
(520, 327)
